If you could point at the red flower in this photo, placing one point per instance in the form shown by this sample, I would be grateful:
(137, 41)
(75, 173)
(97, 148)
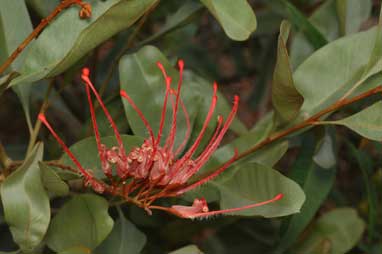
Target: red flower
(153, 171)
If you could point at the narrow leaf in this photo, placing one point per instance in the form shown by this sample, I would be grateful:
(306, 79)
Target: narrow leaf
(25, 202)
(298, 19)
(237, 18)
(316, 183)
(286, 99)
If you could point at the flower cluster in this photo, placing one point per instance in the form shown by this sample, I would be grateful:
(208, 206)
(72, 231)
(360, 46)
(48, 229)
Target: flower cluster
(155, 169)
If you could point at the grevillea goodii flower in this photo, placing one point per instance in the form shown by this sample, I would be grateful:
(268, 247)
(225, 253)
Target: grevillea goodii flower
(155, 169)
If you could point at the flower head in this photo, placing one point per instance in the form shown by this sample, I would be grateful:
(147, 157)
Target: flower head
(155, 169)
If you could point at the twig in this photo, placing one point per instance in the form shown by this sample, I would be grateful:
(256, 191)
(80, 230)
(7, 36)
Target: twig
(313, 120)
(85, 12)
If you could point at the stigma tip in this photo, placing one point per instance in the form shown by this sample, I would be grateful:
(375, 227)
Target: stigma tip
(85, 72)
(41, 117)
(279, 196)
(181, 64)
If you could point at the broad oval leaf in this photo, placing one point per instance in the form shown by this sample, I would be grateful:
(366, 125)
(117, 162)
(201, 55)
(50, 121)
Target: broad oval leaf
(367, 123)
(73, 37)
(254, 183)
(236, 17)
(124, 238)
(335, 232)
(341, 66)
(87, 154)
(82, 222)
(26, 203)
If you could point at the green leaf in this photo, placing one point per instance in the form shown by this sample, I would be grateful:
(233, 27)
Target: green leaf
(286, 99)
(190, 249)
(125, 238)
(237, 18)
(25, 202)
(52, 182)
(141, 79)
(82, 222)
(253, 183)
(335, 232)
(15, 26)
(316, 183)
(342, 66)
(367, 123)
(73, 37)
(87, 154)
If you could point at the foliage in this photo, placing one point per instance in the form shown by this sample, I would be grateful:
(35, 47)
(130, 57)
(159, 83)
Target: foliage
(304, 144)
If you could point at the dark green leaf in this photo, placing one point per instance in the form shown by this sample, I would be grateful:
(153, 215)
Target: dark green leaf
(364, 161)
(253, 183)
(190, 249)
(125, 238)
(25, 202)
(82, 222)
(52, 182)
(237, 18)
(73, 37)
(286, 99)
(316, 183)
(87, 154)
(335, 232)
